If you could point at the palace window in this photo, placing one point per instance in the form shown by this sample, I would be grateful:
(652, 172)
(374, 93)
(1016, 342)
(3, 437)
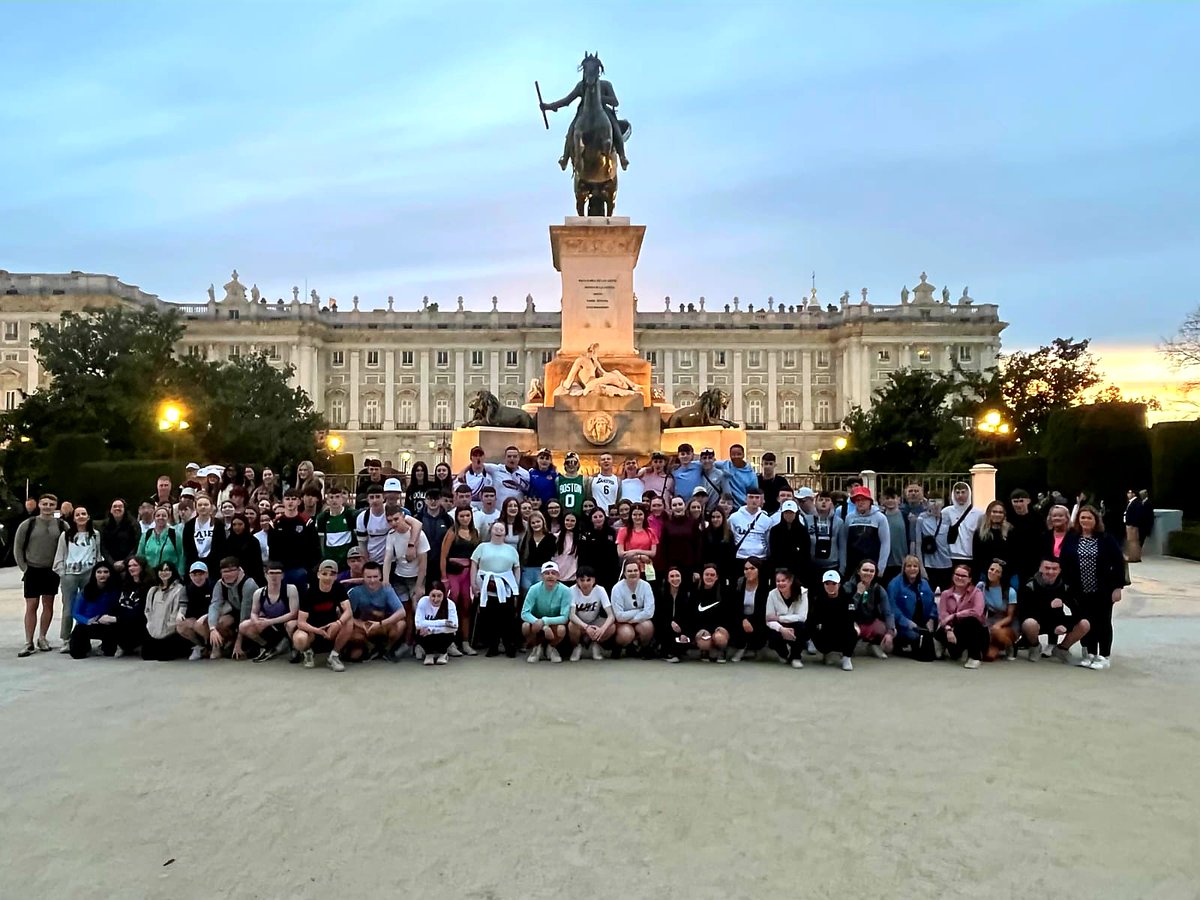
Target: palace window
(686, 359)
(406, 358)
(371, 411)
(754, 359)
(476, 359)
(441, 411)
(547, 355)
(824, 410)
(235, 351)
(12, 331)
(924, 356)
(337, 358)
(652, 357)
(718, 358)
(195, 350)
(408, 410)
(822, 359)
(443, 359)
(11, 399)
(337, 411)
(964, 353)
(373, 359)
(789, 410)
(754, 411)
(789, 359)
(510, 359)
(885, 357)
(789, 464)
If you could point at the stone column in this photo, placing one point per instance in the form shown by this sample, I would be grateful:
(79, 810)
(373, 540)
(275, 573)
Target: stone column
(460, 405)
(423, 393)
(949, 366)
(31, 367)
(737, 388)
(806, 399)
(211, 352)
(530, 373)
(389, 390)
(842, 387)
(494, 373)
(316, 378)
(983, 485)
(669, 376)
(353, 424)
(702, 363)
(870, 482)
(772, 391)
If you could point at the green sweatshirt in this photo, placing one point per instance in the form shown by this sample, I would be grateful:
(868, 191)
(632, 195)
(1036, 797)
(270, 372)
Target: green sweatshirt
(552, 607)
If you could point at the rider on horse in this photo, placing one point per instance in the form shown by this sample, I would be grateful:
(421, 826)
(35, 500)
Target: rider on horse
(608, 98)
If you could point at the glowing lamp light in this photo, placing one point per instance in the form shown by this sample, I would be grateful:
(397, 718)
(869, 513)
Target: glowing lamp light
(840, 443)
(992, 418)
(334, 443)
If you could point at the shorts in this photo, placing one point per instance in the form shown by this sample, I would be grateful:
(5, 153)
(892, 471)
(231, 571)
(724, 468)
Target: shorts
(403, 586)
(321, 645)
(39, 582)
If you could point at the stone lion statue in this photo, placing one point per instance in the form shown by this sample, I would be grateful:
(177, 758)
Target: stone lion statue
(487, 410)
(708, 410)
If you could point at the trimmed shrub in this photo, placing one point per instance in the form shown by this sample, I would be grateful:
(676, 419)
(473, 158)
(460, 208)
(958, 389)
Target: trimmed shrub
(96, 484)
(1175, 448)
(1102, 449)
(1185, 544)
(1012, 472)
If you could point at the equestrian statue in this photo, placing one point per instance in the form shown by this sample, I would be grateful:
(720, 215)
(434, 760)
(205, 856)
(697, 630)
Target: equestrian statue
(595, 140)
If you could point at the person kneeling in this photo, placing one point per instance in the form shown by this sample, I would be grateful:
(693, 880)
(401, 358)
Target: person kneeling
(787, 617)
(94, 610)
(1042, 609)
(962, 627)
(544, 615)
(834, 633)
(872, 611)
(272, 615)
(378, 617)
(324, 621)
(633, 610)
(436, 622)
(590, 619)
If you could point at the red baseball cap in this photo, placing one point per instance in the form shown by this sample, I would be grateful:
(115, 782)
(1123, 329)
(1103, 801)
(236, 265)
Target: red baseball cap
(861, 492)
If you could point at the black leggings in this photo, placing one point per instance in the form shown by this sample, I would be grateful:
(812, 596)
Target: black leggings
(1098, 610)
(740, 639)
(494, 623)
(972, 637)
(171, 647)
(131, 633)
(836, 640)
(83, 635)
(435, 644)
(789, 650)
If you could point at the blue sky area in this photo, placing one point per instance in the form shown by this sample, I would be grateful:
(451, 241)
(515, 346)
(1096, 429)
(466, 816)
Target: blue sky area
(1044, 153)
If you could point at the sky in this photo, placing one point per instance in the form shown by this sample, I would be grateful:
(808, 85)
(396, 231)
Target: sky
(1043, 154)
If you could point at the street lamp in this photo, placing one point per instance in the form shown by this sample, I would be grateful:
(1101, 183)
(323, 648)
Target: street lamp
(993, 423)
(171, 418)
(405, 456)
(840, 443)
(334, 443)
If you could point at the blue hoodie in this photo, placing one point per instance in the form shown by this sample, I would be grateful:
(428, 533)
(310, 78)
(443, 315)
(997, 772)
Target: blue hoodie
(903, 597)
(543, 485)
(90, 604)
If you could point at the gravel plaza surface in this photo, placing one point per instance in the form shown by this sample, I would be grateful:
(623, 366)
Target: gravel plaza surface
(496, 779)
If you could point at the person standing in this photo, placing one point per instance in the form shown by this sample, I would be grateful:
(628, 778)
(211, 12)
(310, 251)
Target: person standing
(686, 476)
(510, 479)
(632, 486)
(203, 537)
(458, 545)
(933, 547)
(1132, 520)
(335, 526)
(827, 539)
(475, 476)
(76, 555)
(293, 543)
(495, 580)
(161, 543)
(119, 536)
(543, 478)
(1025, 538)
(569, 485)
(605, 486)
(751, 526)
(771, 484)
(961, 520)
(868, 535)
(1094, 567)
(740, 476)
(993, 541)
(788, 545)
(897, 533)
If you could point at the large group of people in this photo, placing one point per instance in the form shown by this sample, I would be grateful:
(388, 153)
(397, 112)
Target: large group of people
(673, 559)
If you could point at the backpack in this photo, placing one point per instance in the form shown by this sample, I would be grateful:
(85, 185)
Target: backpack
(63, 528)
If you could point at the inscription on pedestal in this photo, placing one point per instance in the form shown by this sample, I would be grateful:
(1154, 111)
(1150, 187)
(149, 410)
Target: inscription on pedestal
(598, 293)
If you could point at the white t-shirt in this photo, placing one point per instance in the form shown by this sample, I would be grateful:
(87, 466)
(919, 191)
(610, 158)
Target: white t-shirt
(376, 528)
(594, 606)
(484, 522)
(398, 543)
(508, 484)
(632, 489)
(203, 536)
(476, 481)
(748, 598)
(605, 490)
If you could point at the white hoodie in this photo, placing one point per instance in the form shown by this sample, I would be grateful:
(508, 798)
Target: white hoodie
(964, 545)
(750, 531)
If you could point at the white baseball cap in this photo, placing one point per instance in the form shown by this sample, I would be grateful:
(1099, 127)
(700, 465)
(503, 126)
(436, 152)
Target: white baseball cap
(831, 577)
(392, 484)
(550, 566)
(805, 493)
(789, 506)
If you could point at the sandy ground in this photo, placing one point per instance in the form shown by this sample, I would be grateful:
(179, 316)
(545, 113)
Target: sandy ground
(497, 779)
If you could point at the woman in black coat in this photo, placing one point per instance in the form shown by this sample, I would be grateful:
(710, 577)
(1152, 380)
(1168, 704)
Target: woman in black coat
(1093, 567)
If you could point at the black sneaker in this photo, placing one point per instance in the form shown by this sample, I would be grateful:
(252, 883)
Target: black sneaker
(617, 651)
(263, 655)
(492, 651)
(295, 657)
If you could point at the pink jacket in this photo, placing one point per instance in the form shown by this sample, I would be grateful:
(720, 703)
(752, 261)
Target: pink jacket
(951, 606)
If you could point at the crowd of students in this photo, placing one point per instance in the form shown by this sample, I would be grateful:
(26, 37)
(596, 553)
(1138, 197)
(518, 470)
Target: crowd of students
(674, 559)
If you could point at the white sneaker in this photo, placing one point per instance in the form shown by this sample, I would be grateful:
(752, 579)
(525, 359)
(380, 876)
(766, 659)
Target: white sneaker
(1063, 656)
(1085, 662)
(847, 665)
(1035, 653)
(811, 649)
(577, 653)
(939, 649)
(454, 651)
(877, 652)
(443, 660)
(120, 652)
(308, 659)
(1101, 662)
(597, 653)
(197, 653)
(429, 660)
(971, 664)
(738, 654)
(419, 652)
(555, 656)
(672, 659)
(797, 664)
(335, 662)
(534, 655)
(468, 650)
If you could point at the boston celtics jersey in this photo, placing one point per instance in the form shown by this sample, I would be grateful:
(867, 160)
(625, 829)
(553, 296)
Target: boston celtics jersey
(570, 493)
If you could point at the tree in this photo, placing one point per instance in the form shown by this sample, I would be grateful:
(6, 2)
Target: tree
(910, 419)
(1183, 351)
(245, 410)
(1034, 385)
(109, 368)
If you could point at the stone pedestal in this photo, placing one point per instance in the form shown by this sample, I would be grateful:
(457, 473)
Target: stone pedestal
(720, 439)
(492, 440)
(596, 257)
(632, 367)
(623, 426)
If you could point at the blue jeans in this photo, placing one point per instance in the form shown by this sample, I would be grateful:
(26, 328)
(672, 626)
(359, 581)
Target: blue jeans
(530, 575)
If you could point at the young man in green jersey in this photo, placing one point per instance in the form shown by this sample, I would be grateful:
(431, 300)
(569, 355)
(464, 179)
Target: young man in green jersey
(570, 485)
(335, 527)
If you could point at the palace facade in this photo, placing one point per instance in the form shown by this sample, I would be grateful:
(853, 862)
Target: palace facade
(394, 383)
